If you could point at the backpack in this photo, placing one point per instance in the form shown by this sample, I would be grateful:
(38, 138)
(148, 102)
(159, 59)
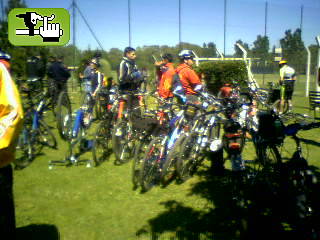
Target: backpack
(176, 81)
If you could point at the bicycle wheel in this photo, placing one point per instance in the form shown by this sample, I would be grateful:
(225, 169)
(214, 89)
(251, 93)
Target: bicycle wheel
(101, 143)
(122, 142)
(265, 169)
(139, 151)
(150, 169)
(190, 157)
(45, 136)
(169, 168)
(101, 107)
(64, 115)
(24, 150)
(276, 106)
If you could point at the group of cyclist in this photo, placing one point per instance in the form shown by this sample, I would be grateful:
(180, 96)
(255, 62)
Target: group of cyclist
(182, 81)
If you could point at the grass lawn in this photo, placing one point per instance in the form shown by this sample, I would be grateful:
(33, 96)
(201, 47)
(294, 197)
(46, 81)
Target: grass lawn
(99, 203)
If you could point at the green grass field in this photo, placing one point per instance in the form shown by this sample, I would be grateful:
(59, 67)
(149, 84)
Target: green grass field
(99, 203)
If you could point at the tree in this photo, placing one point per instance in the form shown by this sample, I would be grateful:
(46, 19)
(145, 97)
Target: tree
(314, 56)
(238, 53)
(209, 50)
(293, 49)
(261, 48)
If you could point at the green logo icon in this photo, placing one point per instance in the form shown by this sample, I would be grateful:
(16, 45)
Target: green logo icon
(39, 26)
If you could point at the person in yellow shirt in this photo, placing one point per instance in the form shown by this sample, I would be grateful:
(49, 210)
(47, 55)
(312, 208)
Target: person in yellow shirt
(11, 116)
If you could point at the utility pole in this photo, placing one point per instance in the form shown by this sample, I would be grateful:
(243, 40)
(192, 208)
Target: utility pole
(265, 19)
(180, 43)
(225, 26)
(74, 38)
(318, 65)
(2, 11)
(265, 35)
(129, 21)
(301, 19)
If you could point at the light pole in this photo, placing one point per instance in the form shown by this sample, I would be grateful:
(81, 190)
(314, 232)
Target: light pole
(318, 65)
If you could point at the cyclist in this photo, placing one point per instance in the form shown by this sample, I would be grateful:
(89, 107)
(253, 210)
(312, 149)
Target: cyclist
(35, 72)
(166, 73)
(130, 78)
(93, 80)
(10, 124)
(287, 81)
(188, 77)
(59, 75)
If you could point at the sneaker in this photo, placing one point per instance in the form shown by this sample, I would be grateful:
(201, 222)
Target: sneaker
(118, 132)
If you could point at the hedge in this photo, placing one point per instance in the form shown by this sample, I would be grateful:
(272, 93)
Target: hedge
(216, 74)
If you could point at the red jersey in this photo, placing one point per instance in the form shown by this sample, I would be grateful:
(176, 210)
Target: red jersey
(188, 77)
(165, 84)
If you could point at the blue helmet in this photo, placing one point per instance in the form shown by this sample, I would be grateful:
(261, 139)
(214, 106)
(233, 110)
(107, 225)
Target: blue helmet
(4, 55)
(186, 54)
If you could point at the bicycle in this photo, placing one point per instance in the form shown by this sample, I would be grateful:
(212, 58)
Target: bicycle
(159, 148)
(299, 185)
(76, 136)
(35, 134)
(188, 151)
(123, 133)
(157, 125)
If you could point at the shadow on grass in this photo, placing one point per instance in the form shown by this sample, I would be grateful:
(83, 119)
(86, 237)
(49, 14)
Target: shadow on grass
(310, 142)
(38, 232)
(236, 210)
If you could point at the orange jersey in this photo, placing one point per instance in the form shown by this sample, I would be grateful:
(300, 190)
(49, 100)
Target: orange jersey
(165, 84)
(188, 77)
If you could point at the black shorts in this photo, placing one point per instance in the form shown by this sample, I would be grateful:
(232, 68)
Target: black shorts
(289, 88)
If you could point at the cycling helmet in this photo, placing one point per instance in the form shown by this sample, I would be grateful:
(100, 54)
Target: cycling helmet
(283, 62)
(128, 49)
(167, 56)
(95, 61)
(4, 55)
(186, 54)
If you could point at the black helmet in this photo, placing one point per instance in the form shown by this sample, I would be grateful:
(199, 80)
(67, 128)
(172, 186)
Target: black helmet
(128, 49)
(167, 56)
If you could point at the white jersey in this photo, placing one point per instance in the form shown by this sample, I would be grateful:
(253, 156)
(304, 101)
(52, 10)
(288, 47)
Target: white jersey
(287, 73)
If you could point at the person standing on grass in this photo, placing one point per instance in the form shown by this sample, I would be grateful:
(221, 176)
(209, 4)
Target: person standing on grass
(11, 116)
(287, 80)
(59, 75)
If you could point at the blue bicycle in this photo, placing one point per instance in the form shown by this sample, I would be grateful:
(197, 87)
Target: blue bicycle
(76, 135)
(35, 134)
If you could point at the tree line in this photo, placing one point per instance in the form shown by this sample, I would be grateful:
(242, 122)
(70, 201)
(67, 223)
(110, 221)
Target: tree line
(293, 49)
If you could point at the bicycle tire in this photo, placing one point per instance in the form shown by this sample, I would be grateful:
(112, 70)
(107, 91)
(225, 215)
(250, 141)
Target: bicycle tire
(138, 153)
(150, 169)
(169, 169)
(120, 141)
(266, 168)
(24, 150)
(100, 148)
(189, 158)
(64, 116)
(46, 136)
(276, 106)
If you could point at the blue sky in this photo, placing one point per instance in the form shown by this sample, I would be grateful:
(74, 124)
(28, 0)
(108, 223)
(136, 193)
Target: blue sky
(155, 22)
